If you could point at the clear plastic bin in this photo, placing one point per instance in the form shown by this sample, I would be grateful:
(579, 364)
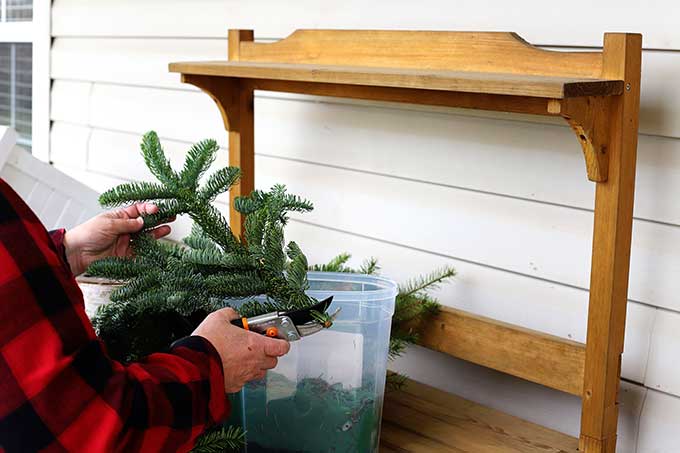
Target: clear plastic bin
(326, 394)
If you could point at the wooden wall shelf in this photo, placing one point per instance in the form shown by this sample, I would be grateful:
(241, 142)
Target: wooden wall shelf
(597, 93)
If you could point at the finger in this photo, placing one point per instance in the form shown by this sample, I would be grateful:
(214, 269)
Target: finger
(269, 362)
(123, 226)
(259, 376)
(140, 209)
(228, 313)
(161, 231)
(274, 347)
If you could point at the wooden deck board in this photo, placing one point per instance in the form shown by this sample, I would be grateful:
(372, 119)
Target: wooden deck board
(423, 419)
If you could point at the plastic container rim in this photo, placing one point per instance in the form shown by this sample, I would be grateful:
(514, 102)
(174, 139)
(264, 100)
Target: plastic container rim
(386, 288)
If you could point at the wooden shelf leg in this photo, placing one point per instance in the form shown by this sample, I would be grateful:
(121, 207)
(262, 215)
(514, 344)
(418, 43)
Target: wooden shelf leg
(242, 154)
(611, 252)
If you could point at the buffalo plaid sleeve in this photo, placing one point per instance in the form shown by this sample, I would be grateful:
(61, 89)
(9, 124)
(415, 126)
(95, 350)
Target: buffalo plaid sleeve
(59, 389)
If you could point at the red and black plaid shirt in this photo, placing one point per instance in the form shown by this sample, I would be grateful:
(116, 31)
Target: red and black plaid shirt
(59, 391)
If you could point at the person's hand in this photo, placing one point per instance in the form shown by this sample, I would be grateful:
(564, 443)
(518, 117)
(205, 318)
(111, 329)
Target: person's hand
(107, 234)
(246, 356)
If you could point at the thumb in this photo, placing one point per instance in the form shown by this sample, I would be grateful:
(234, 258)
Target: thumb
(274, 347)
(123, 226)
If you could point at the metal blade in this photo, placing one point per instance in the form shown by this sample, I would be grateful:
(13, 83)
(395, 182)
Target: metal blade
(303, 315)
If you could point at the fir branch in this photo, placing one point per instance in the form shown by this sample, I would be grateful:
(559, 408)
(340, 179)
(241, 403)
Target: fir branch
(219, 182)
(273, 255)
(429, 282)
(198, 240)
(166, 210)
(155, 160)
(370, 266)
(117, 268)
(199, 158)
(337, 264)
(297, 268)
(249, 204)
(136, 286)
(220, 440)
(214, 257)
(395, 381)
(215, 226)
(135, 192)
(235, 285)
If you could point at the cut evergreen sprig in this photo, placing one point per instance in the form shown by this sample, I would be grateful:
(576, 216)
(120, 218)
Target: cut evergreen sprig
(168, 289)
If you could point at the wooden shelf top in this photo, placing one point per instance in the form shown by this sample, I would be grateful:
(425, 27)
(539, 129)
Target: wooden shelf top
(418, 79)
(422, 419)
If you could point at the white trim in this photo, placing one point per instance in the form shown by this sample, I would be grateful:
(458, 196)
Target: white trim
(18, 31)
(8, 139)
(42, 42)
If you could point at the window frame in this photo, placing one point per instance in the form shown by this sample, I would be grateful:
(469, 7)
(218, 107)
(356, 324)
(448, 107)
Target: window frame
(37, 32)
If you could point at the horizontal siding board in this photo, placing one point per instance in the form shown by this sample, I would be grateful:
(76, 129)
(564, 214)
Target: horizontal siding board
(659, 424)
(144, 62)
(505, 157)
(663, 371)
(273, 19)
(130, 61)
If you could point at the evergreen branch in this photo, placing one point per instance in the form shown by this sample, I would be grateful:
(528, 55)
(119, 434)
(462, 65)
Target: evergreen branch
(297, 268)
(215, 226)
(337, 264)
(395, 381)
(221, 285)
(251, 203)
(274, 257)
(220, 440)
(136, 286)
(135, 191)
(199, 158)
(370, 266)
(166, 210)
(430, 281)
(214, 257)
(117, 268)
(198, 240)
(219, 182)
(155, 160)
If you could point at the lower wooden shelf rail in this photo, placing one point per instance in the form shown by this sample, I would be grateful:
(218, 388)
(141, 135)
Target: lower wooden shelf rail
(422, 419)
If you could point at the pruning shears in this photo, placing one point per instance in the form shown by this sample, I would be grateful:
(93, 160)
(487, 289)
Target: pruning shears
(290, 325)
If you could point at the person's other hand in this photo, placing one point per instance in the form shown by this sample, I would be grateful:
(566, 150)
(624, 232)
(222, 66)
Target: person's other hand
(246, 356)
(107, 234)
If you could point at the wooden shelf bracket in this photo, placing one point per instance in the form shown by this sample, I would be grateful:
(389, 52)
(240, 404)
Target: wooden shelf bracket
(589, 119)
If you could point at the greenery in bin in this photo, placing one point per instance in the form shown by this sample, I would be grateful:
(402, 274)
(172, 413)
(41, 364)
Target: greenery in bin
(169, 288)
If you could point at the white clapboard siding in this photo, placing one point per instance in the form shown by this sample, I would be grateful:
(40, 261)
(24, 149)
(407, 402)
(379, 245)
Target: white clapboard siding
(130, 61)
(511, 158)
(58, 200)
(663, 372)
(581, 23)
(659, 424)
(549, 307)
(145, 62)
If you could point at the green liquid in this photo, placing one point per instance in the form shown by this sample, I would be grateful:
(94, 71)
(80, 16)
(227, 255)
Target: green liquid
(310, 416)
